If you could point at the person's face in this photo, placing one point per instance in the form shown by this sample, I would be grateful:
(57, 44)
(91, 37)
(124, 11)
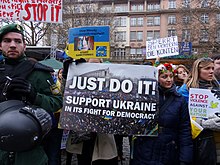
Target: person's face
(206, 73)
(217, 68)
(94, 60)
(12, 45)
(60, 74)
(166, 79)
(181, 73)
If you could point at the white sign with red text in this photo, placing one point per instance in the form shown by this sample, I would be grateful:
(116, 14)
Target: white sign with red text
(203, 102)
(32, 10)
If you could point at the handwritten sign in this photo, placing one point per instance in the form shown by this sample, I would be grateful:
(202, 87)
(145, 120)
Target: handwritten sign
(32, 10)
(203, 102)
(162, 47)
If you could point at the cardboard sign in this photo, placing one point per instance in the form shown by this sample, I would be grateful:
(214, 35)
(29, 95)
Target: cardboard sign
(111, 98)
(162, 47)
(32, 10)
(203, 102)
(89, 42)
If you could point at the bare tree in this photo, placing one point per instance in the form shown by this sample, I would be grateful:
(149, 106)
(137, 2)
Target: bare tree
(81, 14)
(198, 23)
(34, 31)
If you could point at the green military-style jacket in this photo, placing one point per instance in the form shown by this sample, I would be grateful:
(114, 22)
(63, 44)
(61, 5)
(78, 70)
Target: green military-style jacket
(48, 98)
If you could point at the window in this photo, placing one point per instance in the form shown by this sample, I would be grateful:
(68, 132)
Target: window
(218, 3)
(150, 21)
(106, 9)
(137, 21)
(77, 22)
(218, 35)
(120, 22)
(153, 21)
(151, 35)
(136, 36)
(104, 21)
(139, 36)
(204, 35)
(186, 35)
(171, 19)
(139, 51)
(171, 32)
(186, 19)
(137, 7)
(76, 9)
(186, 3)
(153, 6)
(172, 4)
(204, 4)
(218, 17)
(120, 52)
(121, 8)
(134, 51)
(132, 36)
(205, 18)
(156, 34)
(140, 21)
(120, 36)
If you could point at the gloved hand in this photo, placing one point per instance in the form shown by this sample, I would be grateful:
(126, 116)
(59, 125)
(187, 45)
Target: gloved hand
(78, 61)
(199, 120)
(66, 64)
(22, 89)
(216, 93)
(213, 123)
(78, 137)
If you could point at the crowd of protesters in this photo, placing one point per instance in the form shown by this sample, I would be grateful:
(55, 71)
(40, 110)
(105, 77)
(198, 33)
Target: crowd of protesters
(176, 143)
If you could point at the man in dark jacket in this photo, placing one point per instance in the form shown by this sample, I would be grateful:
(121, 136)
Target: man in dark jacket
(26, 80)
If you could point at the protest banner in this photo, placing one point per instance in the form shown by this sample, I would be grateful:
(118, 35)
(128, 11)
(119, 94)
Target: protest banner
(111, 98)
(162, 47)
(89, 42)
(203, 102)
(64, 139)
(32, 10)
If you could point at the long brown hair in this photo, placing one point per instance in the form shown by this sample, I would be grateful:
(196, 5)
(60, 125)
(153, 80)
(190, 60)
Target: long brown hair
(193, 81)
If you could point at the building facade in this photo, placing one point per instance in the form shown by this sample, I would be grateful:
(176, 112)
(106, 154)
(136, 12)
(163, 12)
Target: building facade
(133, 22)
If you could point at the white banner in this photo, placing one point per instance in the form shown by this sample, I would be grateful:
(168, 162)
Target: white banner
(162, 47)
(111, 98)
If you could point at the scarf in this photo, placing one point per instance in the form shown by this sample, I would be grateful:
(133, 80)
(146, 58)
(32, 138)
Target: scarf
(208, 84)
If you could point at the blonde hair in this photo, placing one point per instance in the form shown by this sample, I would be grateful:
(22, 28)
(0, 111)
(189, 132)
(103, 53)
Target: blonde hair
(193, 80)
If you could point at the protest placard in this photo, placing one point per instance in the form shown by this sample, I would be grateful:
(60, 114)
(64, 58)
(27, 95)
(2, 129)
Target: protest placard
(203, 102)
(111, 98)
(162, 47)
(32, 10)
(89, 42)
